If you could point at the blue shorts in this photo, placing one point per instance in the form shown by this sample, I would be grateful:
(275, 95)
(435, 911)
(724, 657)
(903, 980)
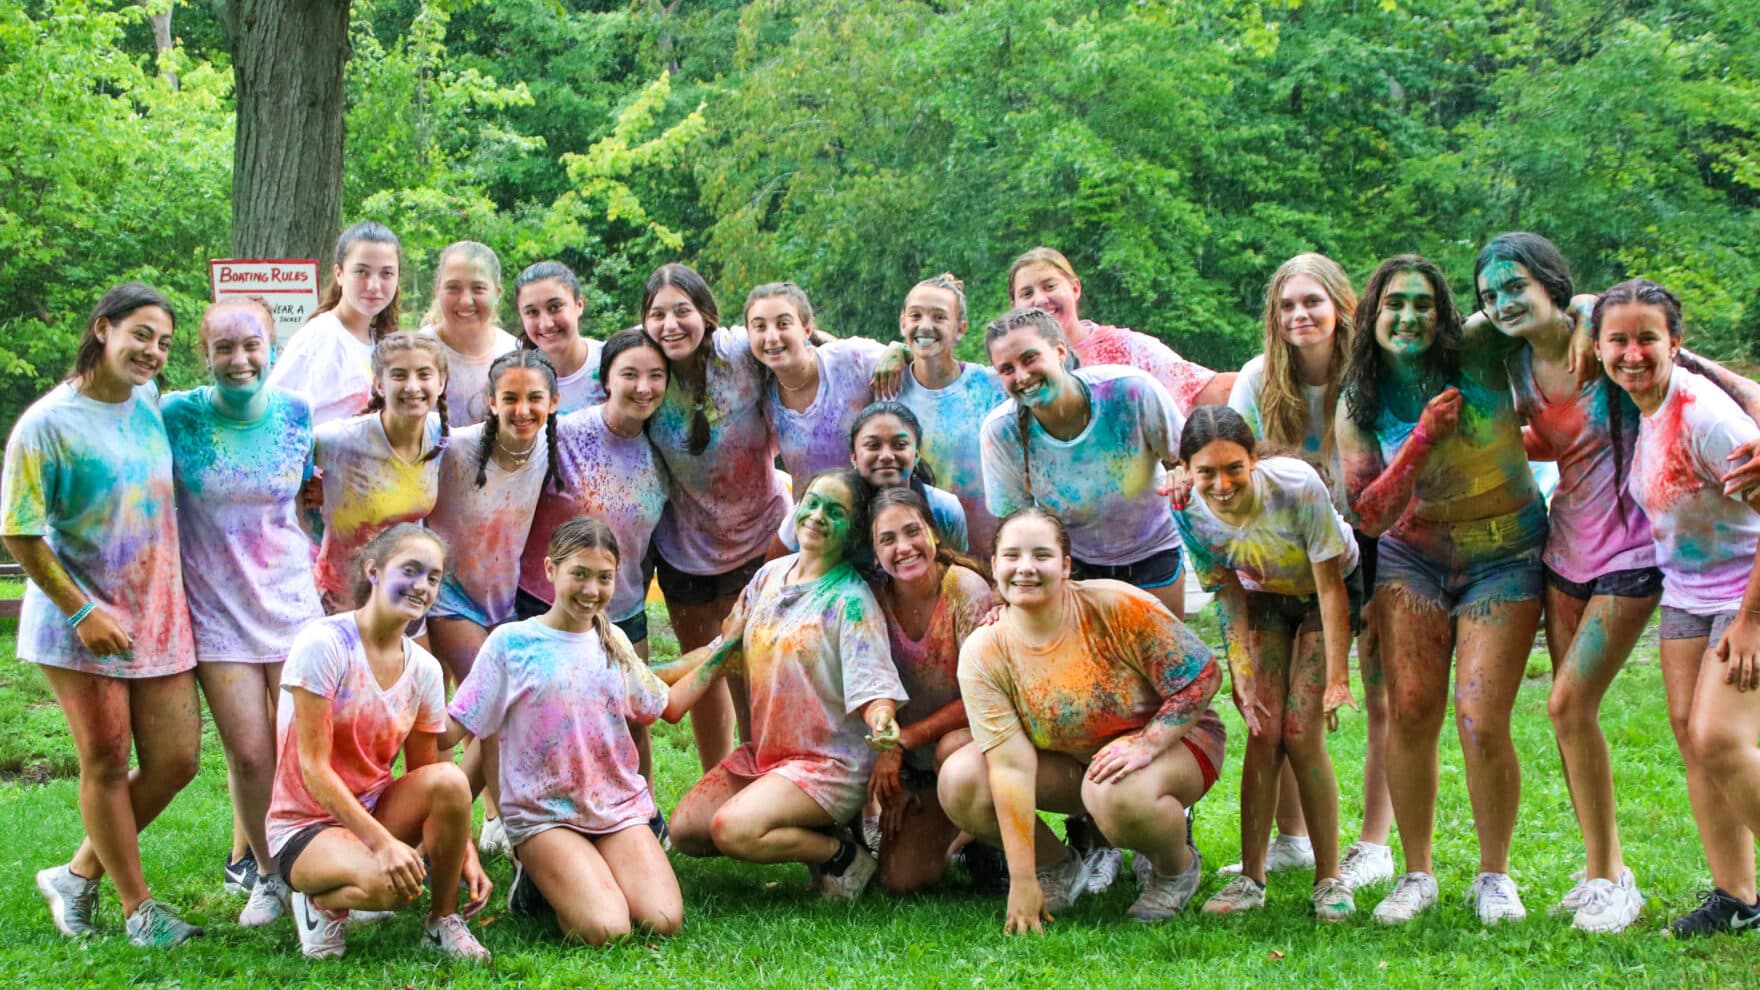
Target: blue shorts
(1158, 570)
(453, 602)
(1459, 567)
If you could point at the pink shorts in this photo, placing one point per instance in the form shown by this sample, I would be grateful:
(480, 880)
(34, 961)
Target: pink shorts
(831, 784)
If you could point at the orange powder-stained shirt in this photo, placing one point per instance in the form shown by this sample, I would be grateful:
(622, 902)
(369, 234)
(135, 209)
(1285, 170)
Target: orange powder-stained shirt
(1120, 661)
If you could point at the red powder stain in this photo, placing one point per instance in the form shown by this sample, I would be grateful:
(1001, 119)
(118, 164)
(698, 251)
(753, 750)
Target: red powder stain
(1677, 476)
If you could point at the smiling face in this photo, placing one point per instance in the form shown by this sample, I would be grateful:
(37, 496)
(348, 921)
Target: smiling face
(777, 332)
(637, 383)
(1514, 299)
(551, 317)
(1222, 473)
(410, 382)
(674, 322)
(1030, 367)
(885, 451)
(1405, 322)
(930, 323)
(521, 402)
(368, 277)
(238, 348)
(584, 581)
(136, 345)
(1306, 316)
(904, 543)
(410, 578)
(1047, 287)
(1029, 562)
(467, 295)
(1635, 348)
(822, 520)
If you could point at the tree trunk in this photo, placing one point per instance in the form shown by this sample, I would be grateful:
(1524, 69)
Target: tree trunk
(161, 22)
(288, 59)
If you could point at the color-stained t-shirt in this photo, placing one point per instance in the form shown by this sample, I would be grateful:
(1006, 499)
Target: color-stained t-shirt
(93, 479)
(1244, 399)
(561, 706)
(724, 504)
(1117, 345)
(368, 723)
(247, 565)
(328, 366)
(929, 666)
(1294, 527)
(1597, 527)
(583, 388)
(1705, 540)
(467, 379)
(945, 512)
(1105, 484)
(486, 527)
(817, 438)
(1120, 661)
(951, 441)
(617, 480)
(368, 489)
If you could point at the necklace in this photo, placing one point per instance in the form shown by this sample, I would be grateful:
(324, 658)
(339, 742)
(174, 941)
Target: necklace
(518, 457)
(786, 387)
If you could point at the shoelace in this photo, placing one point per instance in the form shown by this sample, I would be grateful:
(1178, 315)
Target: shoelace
(1409, 892)
(1595, 897)
(159, 924)
(1497, 892)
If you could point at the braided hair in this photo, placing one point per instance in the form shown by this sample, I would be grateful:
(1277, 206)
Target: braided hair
(520, 358)
(396, 343)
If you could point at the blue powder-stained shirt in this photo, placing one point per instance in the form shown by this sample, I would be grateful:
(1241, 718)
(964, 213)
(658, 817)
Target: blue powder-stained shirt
(951, 444)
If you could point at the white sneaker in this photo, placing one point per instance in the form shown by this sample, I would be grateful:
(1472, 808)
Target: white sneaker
(1242, 894)
(1573, 898)
(361, 919)
(1163, 897)
(1286, 852)
(1495, 899)
(1103, 867)
(1332, 900)
(1609, 906)
(322, 934)
(72, 900)
(871, 835)
(849, 885)
(450, 936)
(268, 902)
(1365, 863)
(1063, 883)
(493, 840)
(1413, 894)
(155, 926)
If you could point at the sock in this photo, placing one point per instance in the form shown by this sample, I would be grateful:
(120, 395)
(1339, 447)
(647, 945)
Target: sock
(840, 860)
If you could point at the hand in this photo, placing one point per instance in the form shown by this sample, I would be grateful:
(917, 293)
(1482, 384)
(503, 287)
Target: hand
(311, 494)
(991, 614)
(883, 730)
(403, 867)
(1740, 649)
(477, 884)
(1581, 360)
(1253, 711)
(1740, 479)
(883, 783)
(888, 377)
(892, 813)
(1441, 414)
(1178, 488)
(102, 635)
(1337, 696)
(1026, 910)
(733, 626)
(1121, 757)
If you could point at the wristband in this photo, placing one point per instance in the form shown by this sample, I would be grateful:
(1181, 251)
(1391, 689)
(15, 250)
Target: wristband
(1420, 435)
(79, 616)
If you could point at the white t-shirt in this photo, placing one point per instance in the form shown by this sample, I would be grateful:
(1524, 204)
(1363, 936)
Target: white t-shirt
(1296, 526)
(368, 489)
(328, 366)
(951, 444)
(467, 379)
(817, 438)
(583, 388)
(1244, 399)
(486, 527)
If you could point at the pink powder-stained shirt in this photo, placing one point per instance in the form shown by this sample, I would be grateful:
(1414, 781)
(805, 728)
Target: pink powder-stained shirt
(813, 654)
(1294, 527)
(619, 481)
(1705, 540)
(247, 565)
(561, 706)
(724, 504)
(486, 527)
(929, 667)
(950, 417)
(1597, 527)
(1117, 345)
(328, 366)
(817, 438)
(368, 489)
(368, 724)
(94, 480)
(1120, 661)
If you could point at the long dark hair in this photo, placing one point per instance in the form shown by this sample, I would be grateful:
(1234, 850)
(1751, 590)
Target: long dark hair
(538, 272)
(520, 357)
(113, 308)
(1538, 255)
(945, 555)
(1046, 326)
(1440, 365)
(922, 474)
(373, 233)
(860, 493)
(627, 339)
(693, 373)
(393, 343)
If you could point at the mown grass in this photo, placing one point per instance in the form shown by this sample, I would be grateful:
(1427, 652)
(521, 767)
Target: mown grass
(753, 926)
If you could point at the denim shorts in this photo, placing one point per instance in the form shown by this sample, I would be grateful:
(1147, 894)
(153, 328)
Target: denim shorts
(1459, 567)
(1158, 570)
(1678, 623)
(1638, 582)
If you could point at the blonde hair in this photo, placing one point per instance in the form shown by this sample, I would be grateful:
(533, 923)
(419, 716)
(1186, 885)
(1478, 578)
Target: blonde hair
(1283, 411)
(395, 343)
(949, 282)
(217, 307)
(587, 533)
(479, 254)
(1040, 255)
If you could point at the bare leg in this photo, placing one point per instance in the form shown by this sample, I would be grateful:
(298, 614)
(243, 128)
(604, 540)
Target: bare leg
(1270, 651)
(1723, 769)
(1173, 595)
(1146, 810)
(1419, 642)
(238, 695)
(1304, 741)
(1491, 654)
(772, 820)
(713, 719)
(602, 886)
(1377, 801)
(963, 787)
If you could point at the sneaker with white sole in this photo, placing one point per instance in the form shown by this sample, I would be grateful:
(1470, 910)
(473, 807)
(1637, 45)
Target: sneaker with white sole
(1103, 864)
(322, 934)
(154, 926)
(492, 842)
(1495, 899)
(848, 885)
(1608, 906)
(1163, 897)
(449, 935)
(1243, 893)
(523, 895)
(1572, 900)
(1413, 894)
(1063, 883)
(361, 919)
(1286, 852)
(1332, 900)
(241, 874)
(1719, 912)
(72, 900)
(268, 901)
(1365, 863)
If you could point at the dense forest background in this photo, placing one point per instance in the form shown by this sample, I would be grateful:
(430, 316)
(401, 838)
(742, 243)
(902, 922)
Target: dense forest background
(1176, 151)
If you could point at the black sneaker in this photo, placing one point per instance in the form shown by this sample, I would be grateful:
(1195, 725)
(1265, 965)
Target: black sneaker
(987, 868)
(1717, 913)
(523, 895)
(241, 874)
(657, 825)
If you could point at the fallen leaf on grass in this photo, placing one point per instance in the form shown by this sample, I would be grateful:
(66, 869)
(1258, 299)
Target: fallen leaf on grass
(1274, 956)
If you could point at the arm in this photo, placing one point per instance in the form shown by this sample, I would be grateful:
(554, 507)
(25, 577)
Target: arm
(1745, 476)
(1184, 674)
(888, 376)
(1013, 770)
(455, 733)
(98, 631)
(1379, 499)
(1335, 631)
(1739, 649)
(1233, 600)
(1216, 391)
(693, 675)
(1536, 446)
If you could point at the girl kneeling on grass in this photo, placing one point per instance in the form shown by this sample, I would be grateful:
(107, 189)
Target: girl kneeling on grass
(1706, 545)
(1263, 533)
(811, 643)
(358, 692)
(1084, 696)
(87, 510)
(557, 692)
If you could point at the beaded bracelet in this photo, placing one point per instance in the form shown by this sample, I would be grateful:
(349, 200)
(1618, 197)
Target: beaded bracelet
(79, 616)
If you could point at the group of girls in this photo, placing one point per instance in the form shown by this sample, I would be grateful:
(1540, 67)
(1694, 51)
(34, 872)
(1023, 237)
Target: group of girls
(882, 675)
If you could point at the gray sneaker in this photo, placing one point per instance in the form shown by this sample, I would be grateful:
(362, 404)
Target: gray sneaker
(1164, 897)
(1063, 883)
(1103, 867)
(153, 926)
(269, 900)
(848, 885)
(72, 900)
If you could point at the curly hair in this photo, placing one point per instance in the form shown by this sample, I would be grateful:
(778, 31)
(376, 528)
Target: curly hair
(1440, 364)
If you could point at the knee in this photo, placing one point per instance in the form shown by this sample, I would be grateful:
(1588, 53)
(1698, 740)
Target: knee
(1680, 724)
(446, 787)
(1713, 746)
(595, 931)
(1572, 717)
(962, 786)
(377, 894)
(664, 923)
(734, 834)
(174, 770)
(1410, 712)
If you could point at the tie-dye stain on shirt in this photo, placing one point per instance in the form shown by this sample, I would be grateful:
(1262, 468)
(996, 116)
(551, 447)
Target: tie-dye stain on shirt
(929, 666)
(93, 479)
(247, 565)
(951, 444)
(1597, 527)
(817, 438)
(1705, 540)
(1120, 661)
(1294, 526)
(1106, 483)
(1117, 345)
(487, 527)
(327, 366)
(561, 707)
(368, 489)
(583, 388)
(619, 481)
(467, 378)
(723, 505)
(368, 724)
(813, 653)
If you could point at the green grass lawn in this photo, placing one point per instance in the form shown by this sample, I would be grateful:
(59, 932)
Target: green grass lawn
(752, 926)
